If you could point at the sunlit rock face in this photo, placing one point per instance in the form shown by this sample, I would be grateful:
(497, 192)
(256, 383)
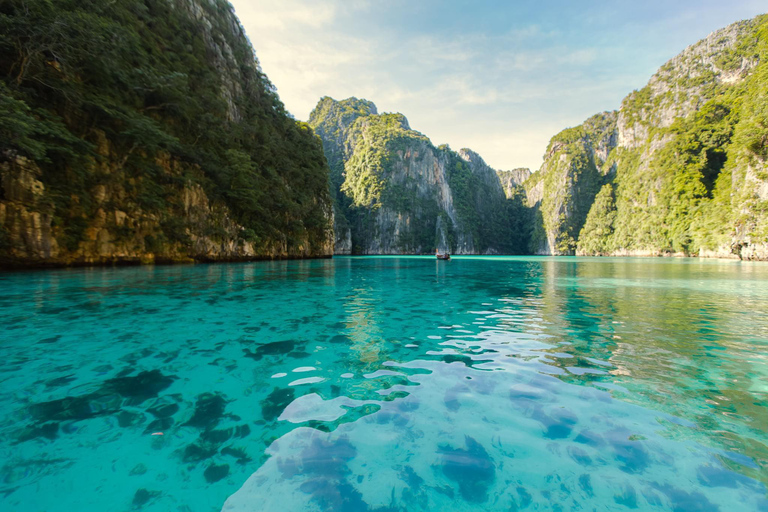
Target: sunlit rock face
(396, 193)
(679, 169)
(563, 190)
(168, 160)
(510, 180)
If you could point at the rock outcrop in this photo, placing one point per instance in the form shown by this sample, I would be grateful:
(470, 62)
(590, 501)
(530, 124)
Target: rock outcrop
(150, 159)
(563, 190)
(397, 193)
(680, 169)
(511, 180)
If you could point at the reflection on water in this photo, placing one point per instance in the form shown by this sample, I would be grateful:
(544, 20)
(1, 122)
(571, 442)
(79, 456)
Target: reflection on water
(387, 384)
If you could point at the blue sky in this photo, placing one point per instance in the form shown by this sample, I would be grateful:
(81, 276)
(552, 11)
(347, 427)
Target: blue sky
(500, 77)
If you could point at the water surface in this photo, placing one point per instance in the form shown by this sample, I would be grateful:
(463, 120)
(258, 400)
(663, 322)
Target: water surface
(386, 383)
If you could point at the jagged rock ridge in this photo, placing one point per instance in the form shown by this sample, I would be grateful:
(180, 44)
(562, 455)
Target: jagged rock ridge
(397, 193)
(681, 168)
(511, 180)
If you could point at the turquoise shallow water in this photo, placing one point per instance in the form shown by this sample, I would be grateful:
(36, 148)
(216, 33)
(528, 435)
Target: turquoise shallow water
(361, 384)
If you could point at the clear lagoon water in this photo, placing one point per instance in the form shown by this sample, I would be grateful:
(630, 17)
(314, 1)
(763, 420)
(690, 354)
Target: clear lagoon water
(386, 384)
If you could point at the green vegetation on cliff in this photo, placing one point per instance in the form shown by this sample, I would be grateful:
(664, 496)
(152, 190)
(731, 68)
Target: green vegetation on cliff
(571, 176)
(398, 193)
(682, 168)
(375, 141)
(496, 222)
(657, 208)
(595, 236)
(695, 184)
(150, 97)
(331, 119)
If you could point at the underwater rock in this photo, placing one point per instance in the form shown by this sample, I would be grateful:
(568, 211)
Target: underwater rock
(558, 424)
(129, 419)
(327, 459)
(471, 467)
(209, 409)
(525, 497)
(451, 398)
(214, 436)
(239, 454)
(272, 406)
(219, 436)
(585, 482)
(163, 410)
(325, 464)
(525, 394)
(74, 408)
(106, 400)
(60, 381)
(138, 469)
(48, 430)
(589, 438)
(579, 456)
(628, 497)
(337, 496)
(632, 454)
(214, 472)
(687, 501)
(391, 416)
(142, 497)
(410, 477)
(198, 452)
(159, 425)
(275, 348)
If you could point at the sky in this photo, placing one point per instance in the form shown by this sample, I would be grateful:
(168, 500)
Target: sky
(499, 77)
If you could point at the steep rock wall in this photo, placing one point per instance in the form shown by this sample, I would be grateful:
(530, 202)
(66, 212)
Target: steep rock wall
(511, 180)
(150, 159)
(396, 193)
(680, 169)
(562, 192)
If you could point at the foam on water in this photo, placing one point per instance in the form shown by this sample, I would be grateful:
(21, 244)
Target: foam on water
(386, 384)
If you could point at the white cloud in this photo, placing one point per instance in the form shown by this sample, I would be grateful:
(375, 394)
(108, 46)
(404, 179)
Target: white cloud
(284, 14)
(503, 94)
(443, 84)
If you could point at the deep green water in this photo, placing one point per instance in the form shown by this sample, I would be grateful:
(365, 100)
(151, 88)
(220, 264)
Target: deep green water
(387, 383)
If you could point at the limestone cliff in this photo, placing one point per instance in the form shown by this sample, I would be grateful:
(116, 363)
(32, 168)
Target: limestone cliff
(145, 131)
(510, 180)
(565, 187)
(679, 169)
(397, 193)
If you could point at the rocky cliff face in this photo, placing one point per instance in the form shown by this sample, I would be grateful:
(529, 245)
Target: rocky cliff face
(679, 169)
(510, 180)
(150, 159)
(565, 187)
(397, 193)
(685, 83)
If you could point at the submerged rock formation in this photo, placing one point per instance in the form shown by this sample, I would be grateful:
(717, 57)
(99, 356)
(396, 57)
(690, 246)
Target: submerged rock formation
(397, 193)
(681, 168)
(145, 131)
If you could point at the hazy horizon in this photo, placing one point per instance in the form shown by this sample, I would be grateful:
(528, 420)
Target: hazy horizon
(498, 78)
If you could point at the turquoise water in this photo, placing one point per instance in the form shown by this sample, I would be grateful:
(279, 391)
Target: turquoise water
(386, 384)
